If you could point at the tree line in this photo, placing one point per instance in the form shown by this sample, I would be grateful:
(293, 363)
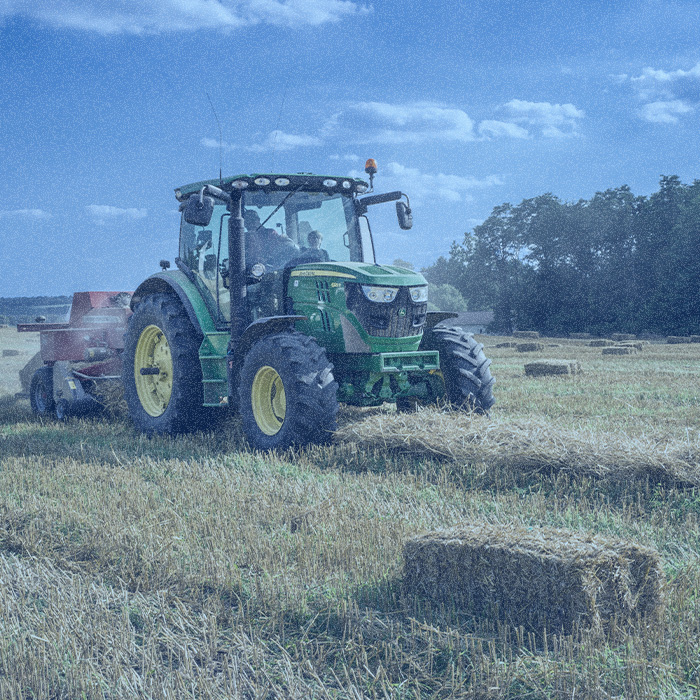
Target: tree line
(614, 263)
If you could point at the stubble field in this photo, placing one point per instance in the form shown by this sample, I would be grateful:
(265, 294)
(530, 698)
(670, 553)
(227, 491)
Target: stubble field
(191, 567)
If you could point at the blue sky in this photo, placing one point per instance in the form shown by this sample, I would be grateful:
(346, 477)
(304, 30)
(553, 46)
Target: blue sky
(465, 105)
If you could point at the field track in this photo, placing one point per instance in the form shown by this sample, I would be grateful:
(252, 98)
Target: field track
(191, 567)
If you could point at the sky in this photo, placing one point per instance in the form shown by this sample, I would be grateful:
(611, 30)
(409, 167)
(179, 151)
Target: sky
(107, 106)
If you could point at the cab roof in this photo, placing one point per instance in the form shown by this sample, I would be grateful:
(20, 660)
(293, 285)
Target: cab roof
(278, 182)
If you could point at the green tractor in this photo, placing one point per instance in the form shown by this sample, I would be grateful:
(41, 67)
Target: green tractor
(278, 310)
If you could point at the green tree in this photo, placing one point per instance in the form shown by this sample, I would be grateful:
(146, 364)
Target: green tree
(445, 297)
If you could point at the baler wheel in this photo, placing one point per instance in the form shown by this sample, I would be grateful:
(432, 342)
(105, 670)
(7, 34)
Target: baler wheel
(464, 366)
(162, 375)
(41, 393)
(287, 392)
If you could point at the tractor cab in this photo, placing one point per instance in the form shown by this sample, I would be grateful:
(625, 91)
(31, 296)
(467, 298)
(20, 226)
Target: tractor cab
(287, 221)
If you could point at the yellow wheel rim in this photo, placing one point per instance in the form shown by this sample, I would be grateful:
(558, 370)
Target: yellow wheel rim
(153, 352)
(268, 400)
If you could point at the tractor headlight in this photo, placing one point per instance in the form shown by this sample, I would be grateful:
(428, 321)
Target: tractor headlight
(419, 294)
(383, 295)
(258, 270)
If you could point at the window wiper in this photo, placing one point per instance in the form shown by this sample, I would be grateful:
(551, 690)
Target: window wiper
(279, 206)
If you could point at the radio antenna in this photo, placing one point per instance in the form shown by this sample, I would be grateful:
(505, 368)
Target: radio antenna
(277, 127)
(221, 139)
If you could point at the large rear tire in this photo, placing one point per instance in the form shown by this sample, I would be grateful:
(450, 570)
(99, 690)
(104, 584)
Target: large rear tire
(288, 396)
(41, 393)
(464, 366)
(167, 396)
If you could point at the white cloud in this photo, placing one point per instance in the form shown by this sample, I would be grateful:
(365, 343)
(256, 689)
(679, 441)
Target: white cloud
(553, 120)
(213, 143)
(349, 157)
(663, 76)
(667, 94)
(275, 141)
(105, 212)
(280, 141)
(156, 16)
(492, 129)
(415, 122)
(25, 213)
(664, 112)
(421, 122)
(452, 188)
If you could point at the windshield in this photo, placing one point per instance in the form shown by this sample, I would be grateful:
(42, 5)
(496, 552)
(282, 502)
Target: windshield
(290, 228)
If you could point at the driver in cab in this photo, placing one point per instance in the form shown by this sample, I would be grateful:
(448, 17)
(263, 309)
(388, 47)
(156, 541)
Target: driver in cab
(264, 244)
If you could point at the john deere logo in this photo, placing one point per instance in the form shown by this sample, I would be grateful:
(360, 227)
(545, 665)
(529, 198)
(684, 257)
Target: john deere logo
(402, 312)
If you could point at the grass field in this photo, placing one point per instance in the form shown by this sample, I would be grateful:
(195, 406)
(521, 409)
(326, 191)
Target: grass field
(191, 567)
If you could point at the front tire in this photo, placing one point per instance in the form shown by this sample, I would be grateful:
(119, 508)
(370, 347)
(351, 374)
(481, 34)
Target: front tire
(288, 396)
(465, 368)
(41, 393)
(162, 375)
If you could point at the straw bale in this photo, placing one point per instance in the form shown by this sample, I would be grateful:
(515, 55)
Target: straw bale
(623, 336)
(508, 344)
(619, 350)
(637, 345)
(526, 334)
(10, 353)
(540, 578)
(541, 368)
(580, 336)
(695, 338)
(601, 343)
(529, 347)
(677, 339)
(527, 446)
(110, 393)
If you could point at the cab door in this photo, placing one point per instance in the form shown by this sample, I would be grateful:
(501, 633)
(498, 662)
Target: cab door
(204, 249)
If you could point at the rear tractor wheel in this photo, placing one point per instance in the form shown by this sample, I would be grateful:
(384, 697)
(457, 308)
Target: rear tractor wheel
(287, 392)
(41, 393)
(465, 368)
(162, 375)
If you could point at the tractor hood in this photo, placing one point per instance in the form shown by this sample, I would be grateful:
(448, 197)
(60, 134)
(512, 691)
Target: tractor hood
(362, 273)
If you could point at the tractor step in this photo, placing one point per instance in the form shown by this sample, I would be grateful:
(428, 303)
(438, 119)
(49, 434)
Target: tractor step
(212, 358)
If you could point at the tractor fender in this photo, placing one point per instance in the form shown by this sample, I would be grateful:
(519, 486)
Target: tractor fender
(435, 317)
(268, 325)
(176, 283)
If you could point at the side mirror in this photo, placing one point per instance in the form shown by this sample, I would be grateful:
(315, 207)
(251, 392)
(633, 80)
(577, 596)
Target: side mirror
(199, 210)
(405, 216)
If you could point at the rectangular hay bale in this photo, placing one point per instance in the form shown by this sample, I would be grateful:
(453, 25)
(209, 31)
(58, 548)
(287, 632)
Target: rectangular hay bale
(677, 339)
(526, 334)
(601, 343)
(529, 347)
(623, 336)
(507, 344)
(541, 368)
(619, 350)
(540, 578)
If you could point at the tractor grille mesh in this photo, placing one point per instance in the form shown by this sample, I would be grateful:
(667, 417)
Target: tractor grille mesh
(398, 319)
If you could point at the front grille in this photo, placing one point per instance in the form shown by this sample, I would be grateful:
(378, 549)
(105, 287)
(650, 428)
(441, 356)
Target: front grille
(398, 319)
(323, 291)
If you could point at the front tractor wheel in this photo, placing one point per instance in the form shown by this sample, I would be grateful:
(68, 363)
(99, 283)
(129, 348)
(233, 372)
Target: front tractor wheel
(287, 392)
(465, 368)
(161, 371)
